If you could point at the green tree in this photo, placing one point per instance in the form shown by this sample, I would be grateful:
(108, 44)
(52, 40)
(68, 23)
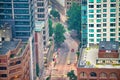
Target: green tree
(51, 30)
(37, 69)
(59, 34)
(55, 14)
(77, 53)
(72, 75)
(74, 17)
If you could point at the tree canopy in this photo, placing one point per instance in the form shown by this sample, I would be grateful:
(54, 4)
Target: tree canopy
(59, 34)
(74, 17)
(55, 13)
(51, 30)
(72, 75)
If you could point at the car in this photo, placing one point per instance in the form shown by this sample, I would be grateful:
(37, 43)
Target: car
(72, 50)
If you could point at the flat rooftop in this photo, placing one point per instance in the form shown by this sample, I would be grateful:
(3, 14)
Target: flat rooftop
(89, 59)
(8, 45)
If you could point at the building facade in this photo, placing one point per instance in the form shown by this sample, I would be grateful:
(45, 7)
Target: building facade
(99, 62)
(18, 13)
(14, 60)
(41, 14)
(103, 21)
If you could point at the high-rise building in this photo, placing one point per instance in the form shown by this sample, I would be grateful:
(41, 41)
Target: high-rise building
(103, 21)
(41, 14)
(18, 13)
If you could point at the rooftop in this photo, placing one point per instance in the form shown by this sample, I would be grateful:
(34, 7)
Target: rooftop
(8, 45)
(89, 59)
(107, 45)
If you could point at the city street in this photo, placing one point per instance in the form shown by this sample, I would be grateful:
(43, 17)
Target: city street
(65, 60)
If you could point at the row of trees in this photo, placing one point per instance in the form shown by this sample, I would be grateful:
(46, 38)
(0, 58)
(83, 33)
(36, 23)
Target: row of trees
(58, 32)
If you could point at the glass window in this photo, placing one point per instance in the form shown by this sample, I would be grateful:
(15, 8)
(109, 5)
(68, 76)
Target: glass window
(104, 0)
(98, 40)
(98, 10)
(104, 34)
(98, 20)
(104, 15)
(98, 1)
(112, 10)
(91, 11)
(112, 5)
(112, 25)
(22, 16)
(104, 20)
(98, 15)
(104, 24)
(91, 35)
(113, 0)
(91, 20)
(112, 34)
(112, 15)
(112, 20)
(91, 30)
(112, 39)
(98, 35)
(21, 11)
(104, 5)
(22, 22)
(91, 25)
(104, 10)
(6, 11)
(104, 30)
(91, 6)
(22, 28)
(91, 15)
(112, 30)
(98, 30)
(16, 5)
(5, 16)
(39, 4)
(91, 1)
(20, 0)
(91, 40)
(98, 6)
(41, 15)
(40, 10)
(22, 34)
(98, 25)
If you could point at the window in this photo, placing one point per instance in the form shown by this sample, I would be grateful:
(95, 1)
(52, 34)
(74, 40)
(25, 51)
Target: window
(40, 10)
(98, 40)
(104, 10)
(103, 75)
(91, 30)
(104, 24)
(93, 74)
(21, 11)
(112, 25)
(17, 5)
(104, 15)
(22, 16)
(91, 6)
(91, 40)
(98, 30)
(20, 0)
(98, 6)
(112, 15)
(91, 1)
(91, 35)
(22, 22)
(18, 62)
(104, 0)
(112, 5)
(40, 4)
(104, 39)
(3, 75)
(104, 30)
(91, 25)
(22, 33)
(98, 1)
(98, 20)
(104, 34)
(104, 20)
(104, 5)
(112, 39)
(112, 20)
(3, 68)
(91, 15)
(98, 35)
(112, 10)
(91, 20)
(40, 15)
(91, 11)
(98, 25)
(112, 34)
(113, 0)
(99, 11)
(83, 74)
(98, 15)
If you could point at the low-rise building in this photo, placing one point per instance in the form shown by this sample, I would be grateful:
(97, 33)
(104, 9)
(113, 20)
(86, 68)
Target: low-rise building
(99, 62)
